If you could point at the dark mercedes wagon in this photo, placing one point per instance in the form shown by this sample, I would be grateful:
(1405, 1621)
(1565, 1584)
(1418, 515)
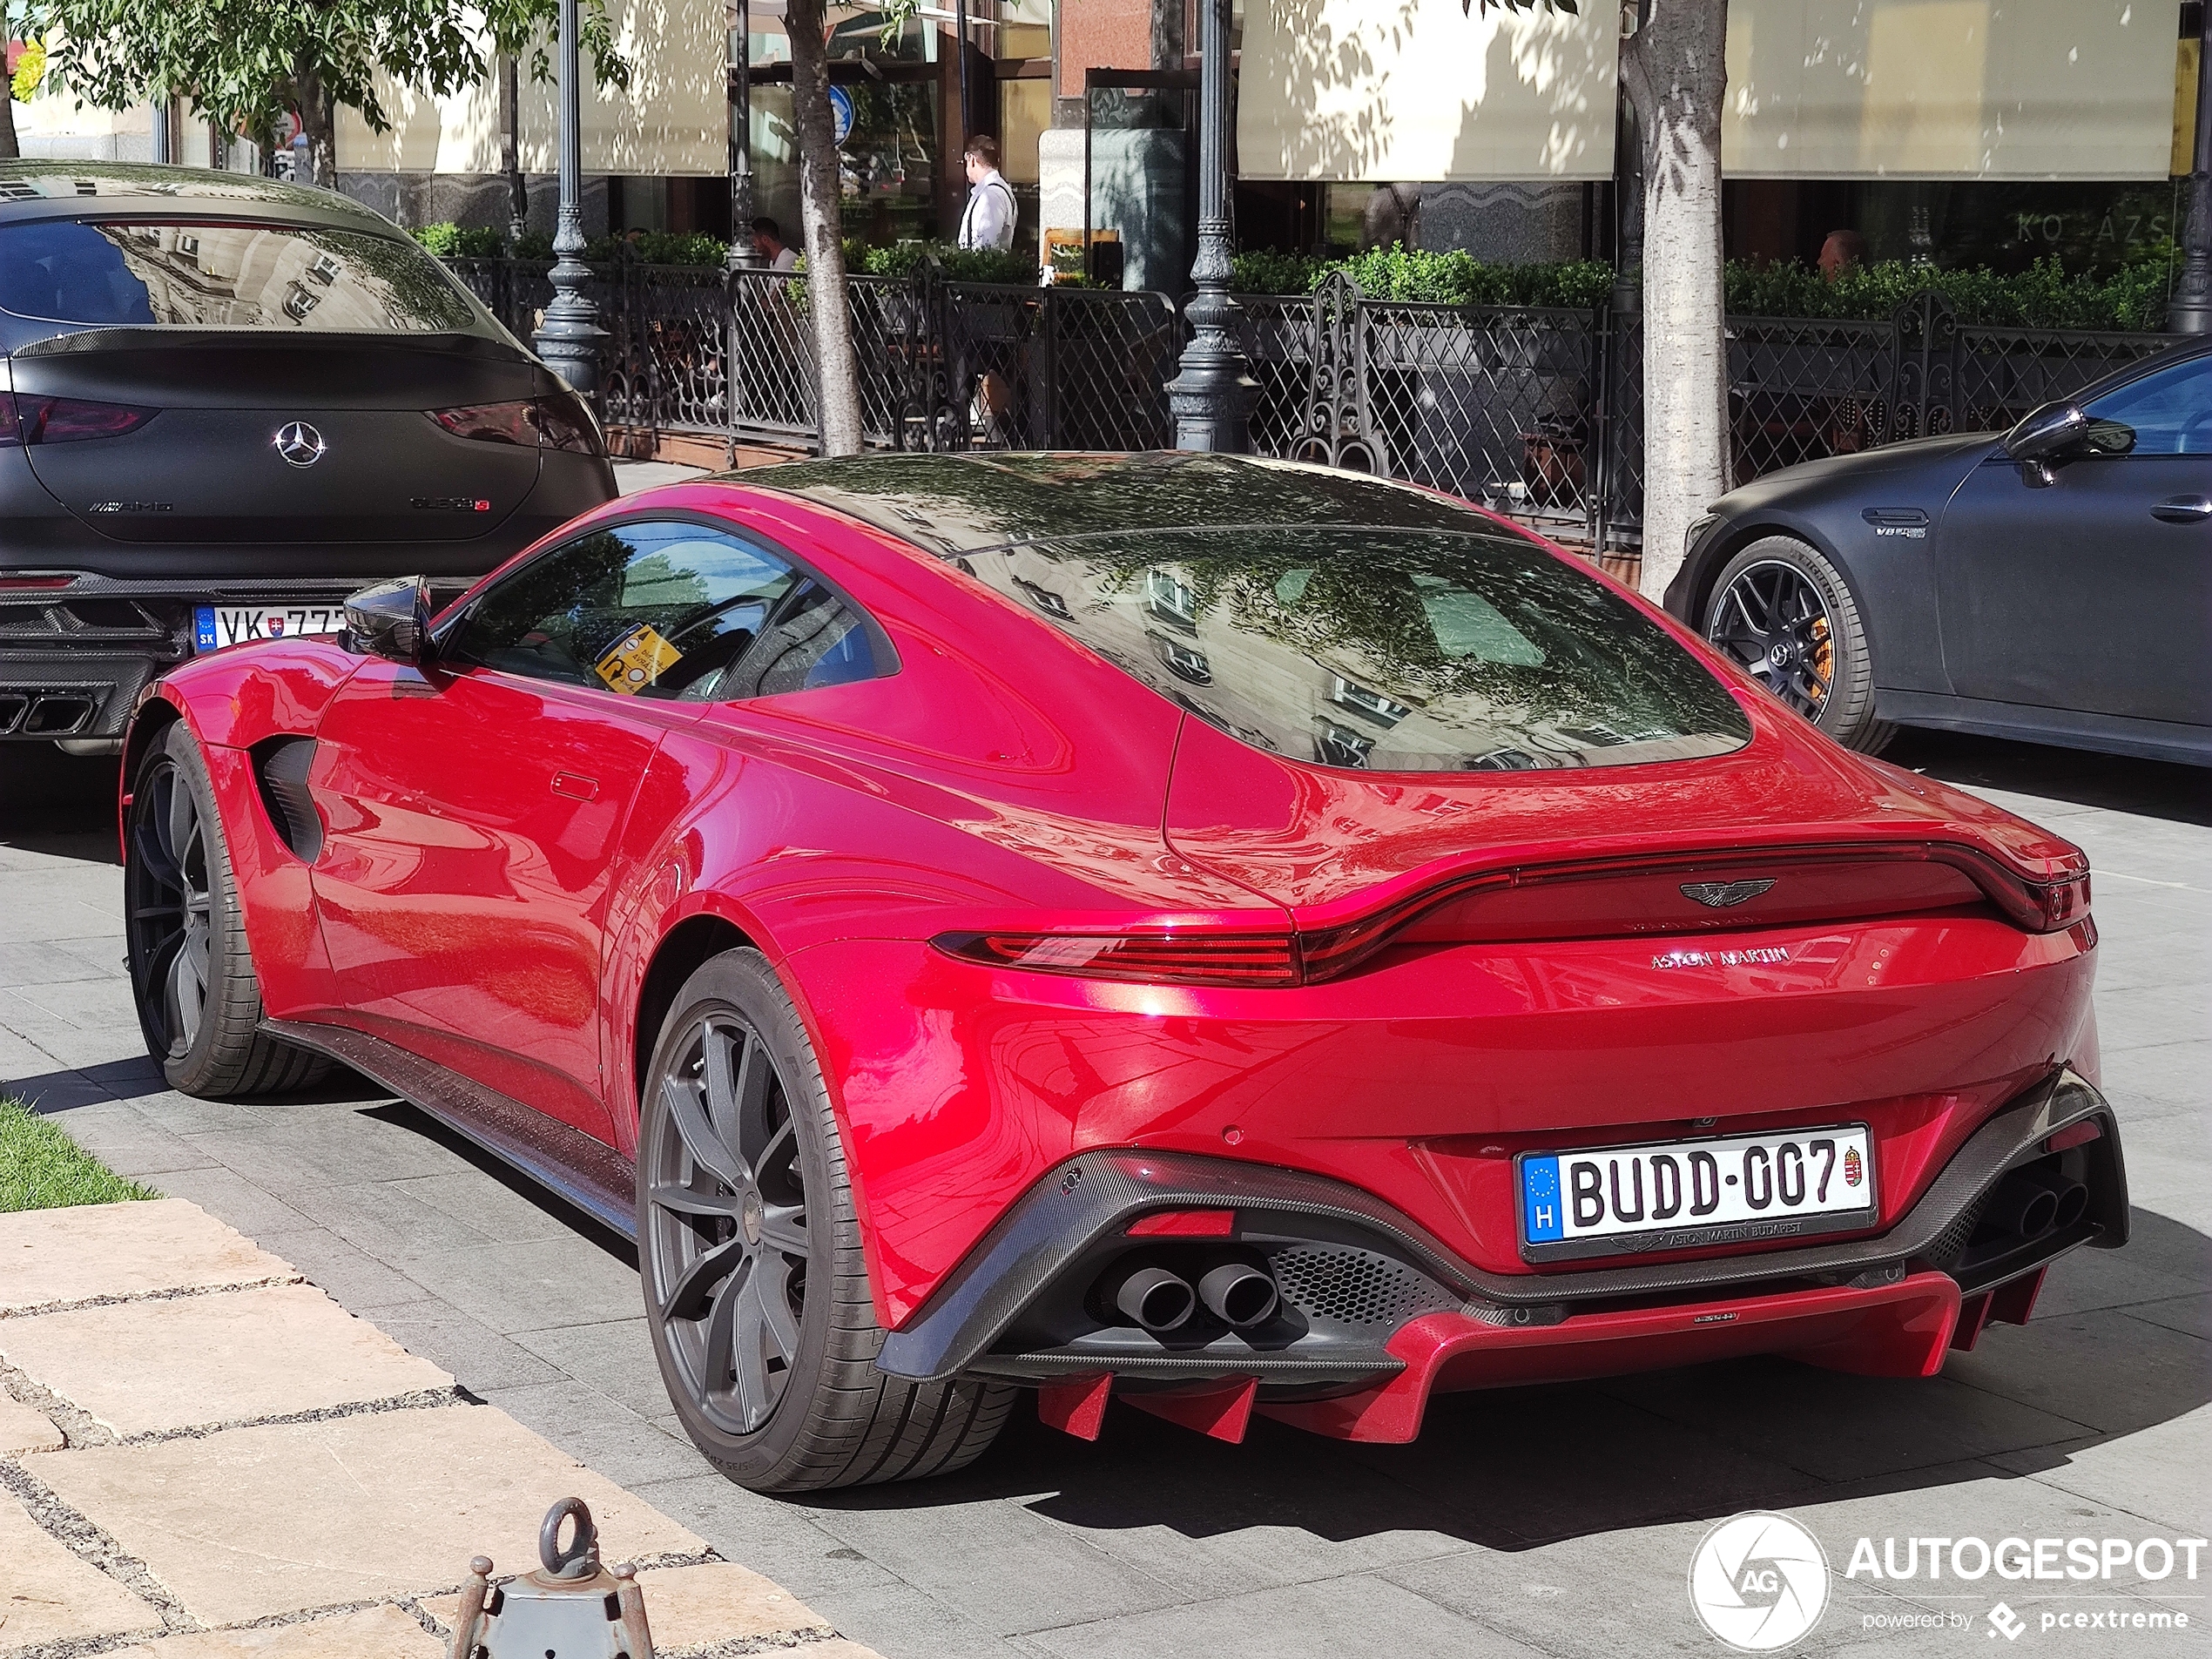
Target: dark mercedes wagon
(225, 404)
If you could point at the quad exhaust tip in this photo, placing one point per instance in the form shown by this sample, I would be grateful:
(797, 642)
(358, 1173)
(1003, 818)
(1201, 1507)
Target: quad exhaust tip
(1157, 1299)
(2029, 1204)
(1239, 1295)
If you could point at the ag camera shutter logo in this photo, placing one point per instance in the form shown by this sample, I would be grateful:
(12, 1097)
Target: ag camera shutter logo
(1758, 1582)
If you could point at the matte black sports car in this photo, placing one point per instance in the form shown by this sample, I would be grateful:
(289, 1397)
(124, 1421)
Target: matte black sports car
(2053, 583)
(226, 403)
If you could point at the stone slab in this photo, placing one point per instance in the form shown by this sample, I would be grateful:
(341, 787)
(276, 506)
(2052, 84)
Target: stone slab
(49, 1256)
(693, 1607)
(370, 1633)
(47, 1594)
(254, 1521)
(228, 1357)
(23, 1429)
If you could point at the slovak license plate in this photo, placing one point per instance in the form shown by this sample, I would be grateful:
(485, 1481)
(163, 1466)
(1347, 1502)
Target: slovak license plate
(1677, 1195)
(216, 626)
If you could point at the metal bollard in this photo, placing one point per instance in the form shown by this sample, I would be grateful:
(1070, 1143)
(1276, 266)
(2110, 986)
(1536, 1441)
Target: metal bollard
(572, 1608)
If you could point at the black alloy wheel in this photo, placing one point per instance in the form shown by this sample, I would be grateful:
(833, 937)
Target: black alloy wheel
(726, 1223)
(1785, 614)
(192, 968)
(749, 1255)
(170, 908)
(1770, 619)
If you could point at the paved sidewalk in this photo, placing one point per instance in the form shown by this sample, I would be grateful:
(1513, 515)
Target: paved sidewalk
(1551, 1520)
(200, 1449)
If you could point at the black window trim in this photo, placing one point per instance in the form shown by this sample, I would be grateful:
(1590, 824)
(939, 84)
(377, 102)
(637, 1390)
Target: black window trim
(879, 640)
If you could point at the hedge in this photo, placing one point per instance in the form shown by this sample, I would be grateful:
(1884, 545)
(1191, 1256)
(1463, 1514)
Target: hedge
(2044, 296)
(451, 241)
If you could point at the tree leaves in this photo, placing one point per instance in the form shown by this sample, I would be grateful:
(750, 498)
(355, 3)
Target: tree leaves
(246, 62)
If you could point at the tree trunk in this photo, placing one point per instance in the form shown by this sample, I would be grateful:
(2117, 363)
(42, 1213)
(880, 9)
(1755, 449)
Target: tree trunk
(1676, 72)
(822, 226)
(319, 119)
(9, 148)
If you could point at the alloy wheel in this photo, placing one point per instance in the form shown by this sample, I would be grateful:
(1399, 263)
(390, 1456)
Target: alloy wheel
(170, 906)
(726, 1223)
(1772, 619)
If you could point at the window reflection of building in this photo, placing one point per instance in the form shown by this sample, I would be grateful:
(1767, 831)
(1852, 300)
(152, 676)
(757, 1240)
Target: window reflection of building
(243, 276)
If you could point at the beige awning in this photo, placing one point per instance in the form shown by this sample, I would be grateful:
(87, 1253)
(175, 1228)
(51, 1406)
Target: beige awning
(1949, 89)
(672, 120)
(1359, 90)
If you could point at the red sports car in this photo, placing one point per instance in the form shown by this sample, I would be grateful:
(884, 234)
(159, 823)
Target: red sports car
(1231, 936)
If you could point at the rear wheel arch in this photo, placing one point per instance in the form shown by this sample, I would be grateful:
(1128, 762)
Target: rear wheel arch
(681, 953)
(148, 725)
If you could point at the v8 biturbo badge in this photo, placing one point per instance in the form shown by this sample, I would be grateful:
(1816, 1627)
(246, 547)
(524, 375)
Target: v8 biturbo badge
(572, 1608)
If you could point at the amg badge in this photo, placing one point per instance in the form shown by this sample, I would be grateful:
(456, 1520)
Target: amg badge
(1720, 894)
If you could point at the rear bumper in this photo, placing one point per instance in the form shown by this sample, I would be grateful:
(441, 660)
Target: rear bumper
(74, 659)
(1396, 1316)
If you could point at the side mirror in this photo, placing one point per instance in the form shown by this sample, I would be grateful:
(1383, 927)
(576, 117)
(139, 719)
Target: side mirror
(2046, 433)
(391, 619)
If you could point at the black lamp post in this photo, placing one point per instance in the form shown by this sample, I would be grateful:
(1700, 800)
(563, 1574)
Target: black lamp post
(569, 337)
(510, 145)
(744, 256)
(1213, 394)
(2190, 311)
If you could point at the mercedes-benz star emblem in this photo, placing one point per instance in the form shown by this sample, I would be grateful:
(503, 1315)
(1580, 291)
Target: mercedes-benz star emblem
(1721, 894)
(299, 443)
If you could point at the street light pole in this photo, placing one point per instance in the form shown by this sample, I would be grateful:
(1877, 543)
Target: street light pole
(1212, 395)
(2190, 312)
(744, 256)
(510, 121)
(569, 337)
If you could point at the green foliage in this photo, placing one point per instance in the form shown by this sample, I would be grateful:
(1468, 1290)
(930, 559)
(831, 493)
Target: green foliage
(962, 264)
(2044, 296)
(43, 1168)
(1420, 275)
(452, 242)
(245, 61)
(660, 247)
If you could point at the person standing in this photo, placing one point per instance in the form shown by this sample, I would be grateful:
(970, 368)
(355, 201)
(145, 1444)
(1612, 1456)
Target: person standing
(989, 221)
(768, 243)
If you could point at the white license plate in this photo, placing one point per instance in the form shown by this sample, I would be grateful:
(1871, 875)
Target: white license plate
(1610, 1200)
(216, 626)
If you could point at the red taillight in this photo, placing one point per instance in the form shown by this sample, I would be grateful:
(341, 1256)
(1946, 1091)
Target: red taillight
(538, 422)
(1152, 959)
(2057, 904)
(15, 584)
(26, 417)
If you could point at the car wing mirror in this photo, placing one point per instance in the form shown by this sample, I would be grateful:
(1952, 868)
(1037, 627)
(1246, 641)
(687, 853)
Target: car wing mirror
(2046, 435)
(390, 620)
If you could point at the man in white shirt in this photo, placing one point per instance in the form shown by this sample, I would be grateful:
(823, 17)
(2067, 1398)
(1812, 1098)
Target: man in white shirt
(989, 221)
(768, 243)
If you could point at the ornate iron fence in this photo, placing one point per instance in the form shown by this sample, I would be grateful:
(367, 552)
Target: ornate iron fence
(1537, 412)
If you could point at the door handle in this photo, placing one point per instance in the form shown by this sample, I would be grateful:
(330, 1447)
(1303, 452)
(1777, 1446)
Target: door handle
(575, 785)
(2183, 510)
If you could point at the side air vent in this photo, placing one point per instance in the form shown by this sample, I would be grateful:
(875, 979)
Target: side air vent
(280, 766)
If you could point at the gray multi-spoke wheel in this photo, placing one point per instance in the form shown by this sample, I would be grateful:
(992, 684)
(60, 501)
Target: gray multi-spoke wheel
(1783, 612)
(749, 1254)
(725, 1209)
(191, 969)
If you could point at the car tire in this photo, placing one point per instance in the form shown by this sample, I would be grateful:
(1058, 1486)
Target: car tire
(191, 967)
(749, 1254)
(1783, 612)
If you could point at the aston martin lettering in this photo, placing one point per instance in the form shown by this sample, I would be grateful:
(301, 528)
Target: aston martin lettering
(1760, 956)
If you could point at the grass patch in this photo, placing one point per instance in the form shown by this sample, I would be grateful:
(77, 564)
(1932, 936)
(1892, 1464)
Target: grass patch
(43, 1168)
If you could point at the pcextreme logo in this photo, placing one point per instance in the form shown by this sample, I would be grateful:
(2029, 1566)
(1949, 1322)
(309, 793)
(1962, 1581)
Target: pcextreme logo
(1758, 1582)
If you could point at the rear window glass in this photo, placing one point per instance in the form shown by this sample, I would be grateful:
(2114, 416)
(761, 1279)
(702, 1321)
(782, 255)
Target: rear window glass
(1398, 650)
(225, 276)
